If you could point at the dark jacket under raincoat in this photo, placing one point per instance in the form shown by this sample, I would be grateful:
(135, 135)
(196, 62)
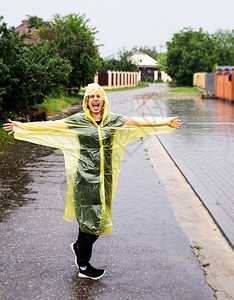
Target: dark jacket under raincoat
(93, 155)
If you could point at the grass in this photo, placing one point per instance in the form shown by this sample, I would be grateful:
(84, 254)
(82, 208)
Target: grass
(197, 247)
(57, 105)
(141, 84)
(186, 90)
(5, 140)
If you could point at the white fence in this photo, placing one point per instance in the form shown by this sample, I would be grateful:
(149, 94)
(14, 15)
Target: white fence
(117, 79)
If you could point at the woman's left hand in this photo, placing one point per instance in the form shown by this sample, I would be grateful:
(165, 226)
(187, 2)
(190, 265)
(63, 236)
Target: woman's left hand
(9, 127)
(175, 122)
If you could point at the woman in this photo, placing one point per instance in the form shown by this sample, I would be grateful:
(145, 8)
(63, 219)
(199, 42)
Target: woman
(93, 144)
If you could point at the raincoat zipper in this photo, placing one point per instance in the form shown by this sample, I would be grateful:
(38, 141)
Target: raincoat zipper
(101, 187)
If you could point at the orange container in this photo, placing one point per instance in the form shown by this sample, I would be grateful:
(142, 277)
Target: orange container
(224, 83)
(219, 82)
(232, 80)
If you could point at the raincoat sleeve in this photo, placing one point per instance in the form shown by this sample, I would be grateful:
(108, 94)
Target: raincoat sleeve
(149, 121)
(49, 133)
(136, 127)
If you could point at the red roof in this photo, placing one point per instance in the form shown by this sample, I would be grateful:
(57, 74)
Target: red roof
(139, 52)
(23, 28)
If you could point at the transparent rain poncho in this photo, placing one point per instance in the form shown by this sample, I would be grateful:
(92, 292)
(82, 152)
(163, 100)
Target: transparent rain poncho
(93, 155)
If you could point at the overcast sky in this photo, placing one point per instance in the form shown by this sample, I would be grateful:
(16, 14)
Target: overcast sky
(128, 23)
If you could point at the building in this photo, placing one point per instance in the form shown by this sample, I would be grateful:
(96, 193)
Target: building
(147, 66)
(23, 28)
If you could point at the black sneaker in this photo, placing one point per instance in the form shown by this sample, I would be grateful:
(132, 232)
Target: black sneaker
(74, 252)
(91, 272)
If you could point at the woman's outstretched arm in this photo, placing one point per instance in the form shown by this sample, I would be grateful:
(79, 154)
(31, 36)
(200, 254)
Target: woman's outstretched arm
(49, 133)
(14, 126)
(173, 122)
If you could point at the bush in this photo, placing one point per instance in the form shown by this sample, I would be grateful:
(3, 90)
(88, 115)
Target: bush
(159, 80)
(148, 79)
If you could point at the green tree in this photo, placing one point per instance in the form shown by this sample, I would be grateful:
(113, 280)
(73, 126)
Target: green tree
(162, 62)
(28, 73)
(12, 68)
(75, 41)
(48, 73)
(35, 22)
(224, 47)
(188, 52)
(123, 63)
(152, 52)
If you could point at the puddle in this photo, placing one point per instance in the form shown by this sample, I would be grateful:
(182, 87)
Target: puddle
(16, 175)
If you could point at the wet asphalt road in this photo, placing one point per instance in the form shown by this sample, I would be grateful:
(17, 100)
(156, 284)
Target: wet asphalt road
(147, 257)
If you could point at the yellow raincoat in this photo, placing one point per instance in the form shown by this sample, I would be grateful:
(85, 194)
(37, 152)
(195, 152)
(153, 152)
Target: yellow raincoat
(93, 155)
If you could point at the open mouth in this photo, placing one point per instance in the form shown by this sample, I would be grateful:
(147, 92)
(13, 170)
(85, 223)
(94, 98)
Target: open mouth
(96, 106)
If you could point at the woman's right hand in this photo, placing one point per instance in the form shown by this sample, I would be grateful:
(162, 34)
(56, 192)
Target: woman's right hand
(9, 127)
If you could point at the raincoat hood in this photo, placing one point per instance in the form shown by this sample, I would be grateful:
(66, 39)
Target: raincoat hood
(92, 88)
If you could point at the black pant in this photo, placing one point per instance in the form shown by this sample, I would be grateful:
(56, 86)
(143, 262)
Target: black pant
(84, 246)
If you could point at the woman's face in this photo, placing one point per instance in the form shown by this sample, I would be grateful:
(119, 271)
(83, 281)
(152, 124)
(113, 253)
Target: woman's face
(95, 103)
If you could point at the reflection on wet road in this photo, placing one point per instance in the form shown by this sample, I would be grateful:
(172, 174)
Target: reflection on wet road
(16, 175)
(203, 149)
